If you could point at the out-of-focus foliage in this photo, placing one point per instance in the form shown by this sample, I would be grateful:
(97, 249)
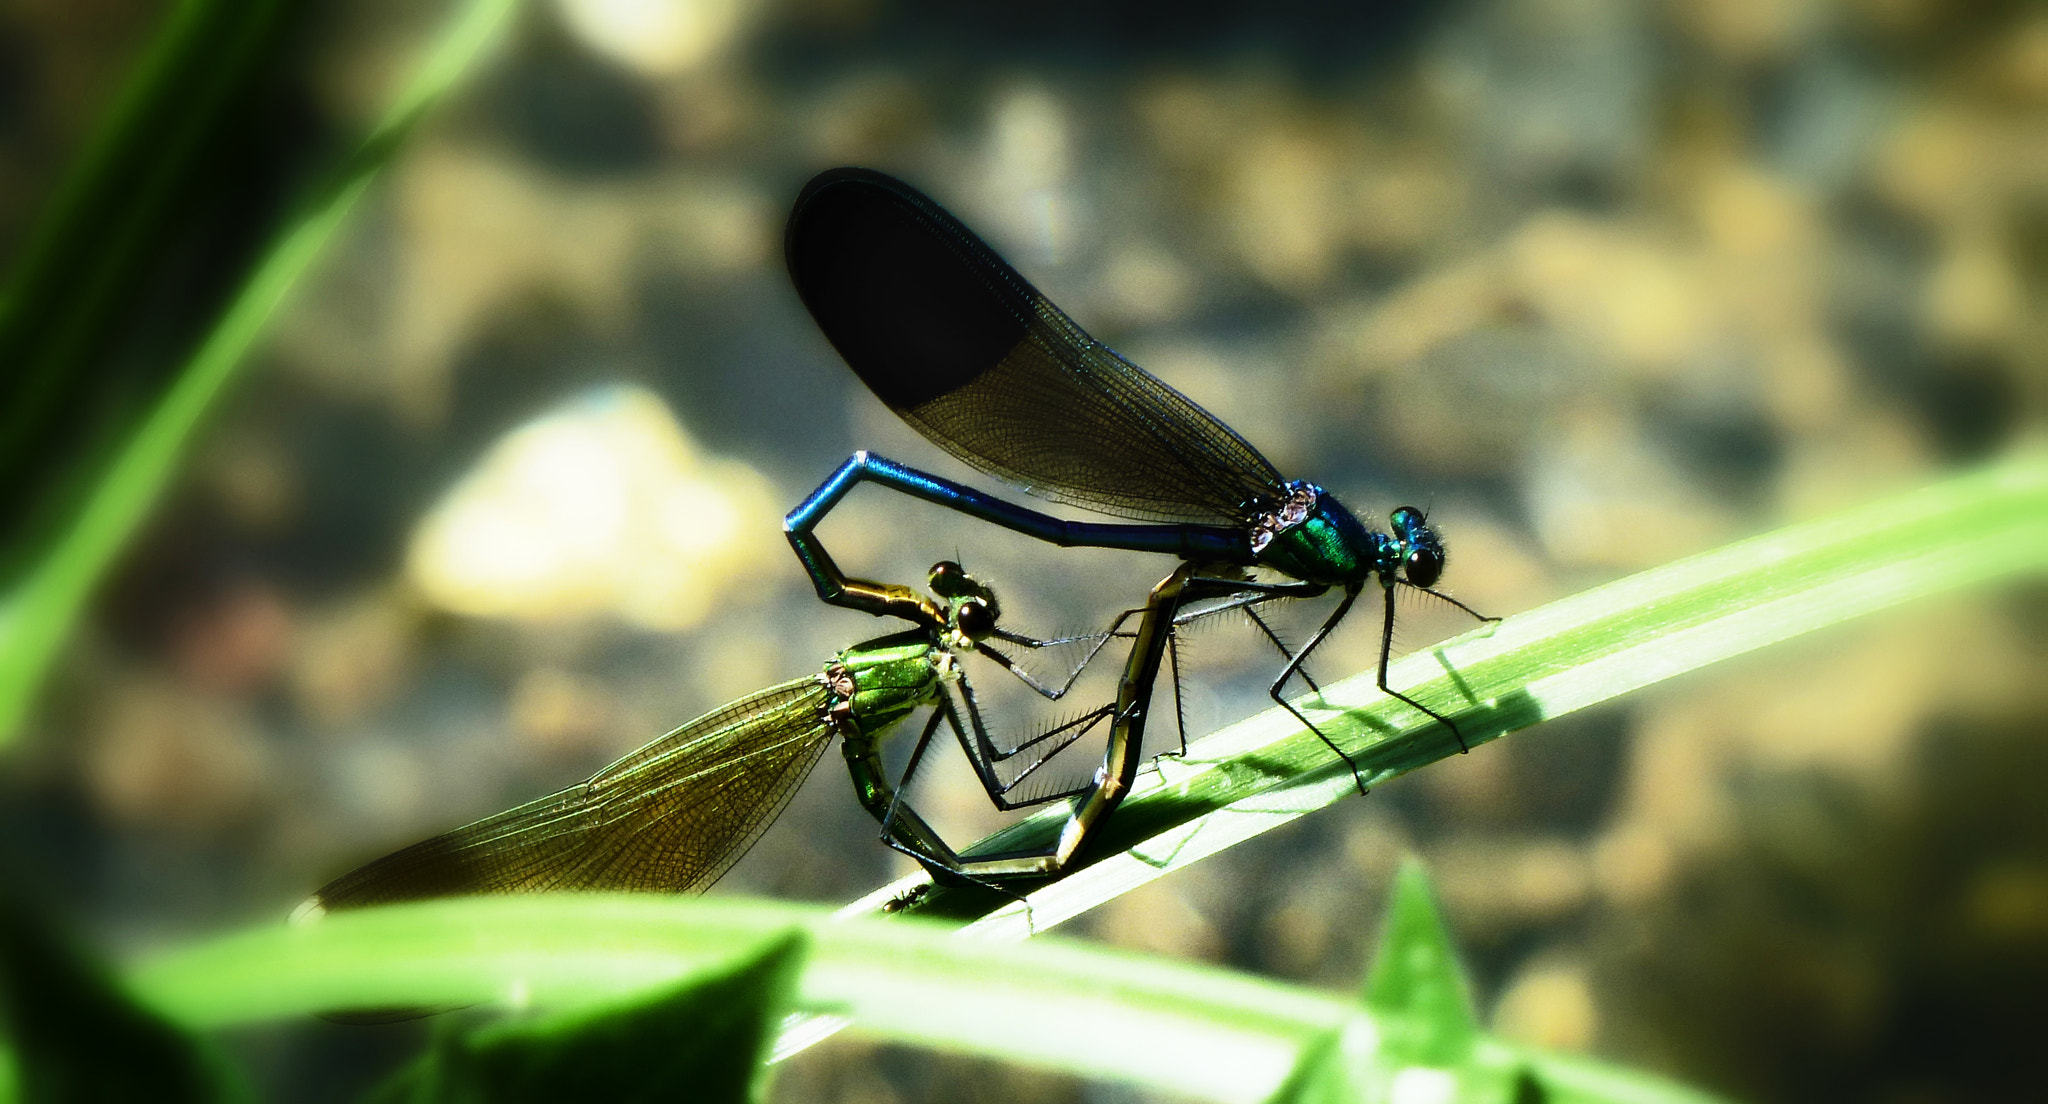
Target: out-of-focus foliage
(73, 1033)
(106, 292)
(1190, 1030)
(1415, 976)
(704, 1039)
(99, 406)
(1423, 1014)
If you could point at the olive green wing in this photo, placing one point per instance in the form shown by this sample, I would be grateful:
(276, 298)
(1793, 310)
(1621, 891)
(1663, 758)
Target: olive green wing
(671, 817)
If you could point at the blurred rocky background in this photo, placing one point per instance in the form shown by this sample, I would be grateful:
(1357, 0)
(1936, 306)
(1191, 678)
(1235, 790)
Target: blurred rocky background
(1601, 283)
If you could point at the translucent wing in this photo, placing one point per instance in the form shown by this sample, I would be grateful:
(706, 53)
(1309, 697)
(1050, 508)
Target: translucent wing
(672, 816)
(977, 360)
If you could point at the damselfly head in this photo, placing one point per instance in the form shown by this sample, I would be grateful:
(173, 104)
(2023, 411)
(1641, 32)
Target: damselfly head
(971, 608)
(974, 619)
(950, 580)
(1422, 552)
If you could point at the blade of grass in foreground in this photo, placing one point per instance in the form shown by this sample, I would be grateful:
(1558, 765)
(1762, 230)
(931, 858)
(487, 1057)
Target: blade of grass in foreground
(81, 325)
(36, 617)
(1087, 1010)
(1194, 1030)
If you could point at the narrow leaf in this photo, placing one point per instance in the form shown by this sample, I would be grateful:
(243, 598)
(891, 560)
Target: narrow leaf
(1416, 987)
(1320, 1076)
(35, 618)
(90, 285)
(705, 1038)
(1186, 1029)
(77, 1035)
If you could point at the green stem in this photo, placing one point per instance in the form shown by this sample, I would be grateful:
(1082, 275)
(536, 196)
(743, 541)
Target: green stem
(1191, 1030)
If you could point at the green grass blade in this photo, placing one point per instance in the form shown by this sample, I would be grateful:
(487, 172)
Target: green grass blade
(1414, 1035)
(1416, 976)
(1583, 650)
(35, 618)
(74, 1033)
(1193, 1030)
(1190, 1029)
(704, 1038)
(72, 293)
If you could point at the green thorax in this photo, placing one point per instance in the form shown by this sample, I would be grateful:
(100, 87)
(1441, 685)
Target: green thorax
(1319, 541)
(890, 677)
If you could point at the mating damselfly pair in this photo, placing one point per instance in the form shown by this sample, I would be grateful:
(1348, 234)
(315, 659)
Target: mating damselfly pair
(963, 349)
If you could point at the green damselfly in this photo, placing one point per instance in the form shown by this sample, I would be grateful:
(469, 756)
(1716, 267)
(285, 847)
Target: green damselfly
(676, 814)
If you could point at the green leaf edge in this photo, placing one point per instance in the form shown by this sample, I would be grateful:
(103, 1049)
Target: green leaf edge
(37, 616)
(1178, 1027)
(706, 1037)
(1416, 977)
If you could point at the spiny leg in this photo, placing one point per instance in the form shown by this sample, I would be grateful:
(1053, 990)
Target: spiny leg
(1250, 592)
(1023, 641)
(931, 852)
(1294, 665)
(1434, 593)
(1246, 594)
(1039, 865)
(1275, 639)
(1180, 711)
(999, 791)
(1243, 601)
(1387, 646)
(1043, 690)
(982, 752)
(1242, 592)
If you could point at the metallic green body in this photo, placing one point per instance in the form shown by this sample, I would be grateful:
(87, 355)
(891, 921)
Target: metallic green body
(892, 677)
(872, 686)
(1321, 550)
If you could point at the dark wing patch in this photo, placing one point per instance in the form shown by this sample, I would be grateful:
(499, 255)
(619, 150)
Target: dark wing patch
(977, 360)
(908, 306)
